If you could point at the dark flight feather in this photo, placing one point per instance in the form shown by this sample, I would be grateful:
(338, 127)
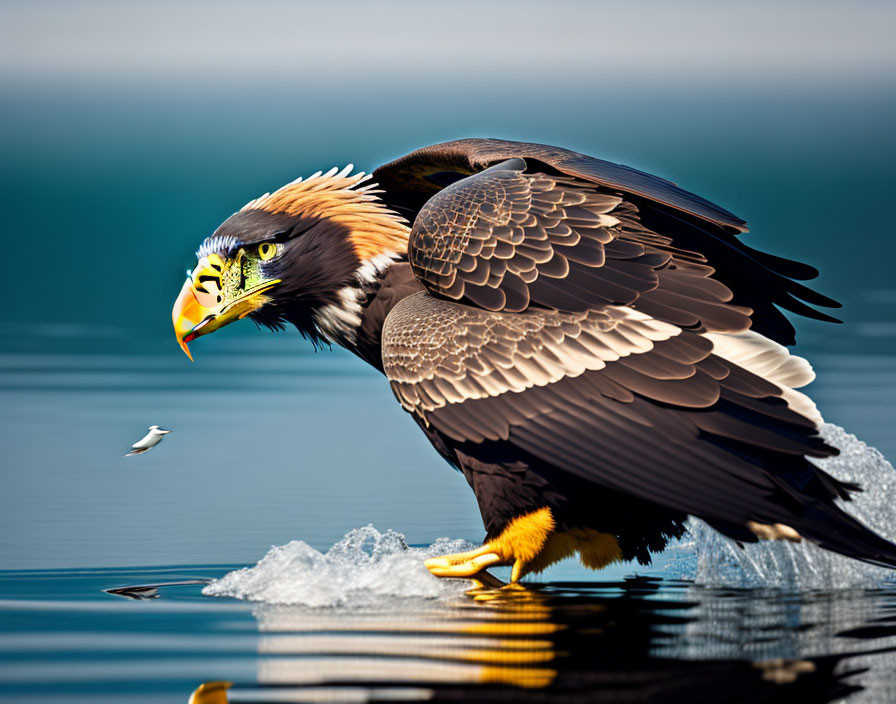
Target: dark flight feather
(653, 211)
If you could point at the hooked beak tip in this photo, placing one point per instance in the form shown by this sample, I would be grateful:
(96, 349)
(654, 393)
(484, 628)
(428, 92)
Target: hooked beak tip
(185, 313)
(183, 346)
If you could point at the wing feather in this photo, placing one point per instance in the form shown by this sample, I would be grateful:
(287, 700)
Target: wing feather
(585, 206)
(560, 246)
(628, 403)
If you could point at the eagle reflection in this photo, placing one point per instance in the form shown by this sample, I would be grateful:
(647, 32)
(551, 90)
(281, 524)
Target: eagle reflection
(629, 641)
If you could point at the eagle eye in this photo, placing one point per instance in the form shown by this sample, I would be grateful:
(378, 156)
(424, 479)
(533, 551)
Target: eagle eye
(266, 251)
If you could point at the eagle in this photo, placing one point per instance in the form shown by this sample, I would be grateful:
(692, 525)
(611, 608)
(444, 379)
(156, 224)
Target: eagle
(593, 347)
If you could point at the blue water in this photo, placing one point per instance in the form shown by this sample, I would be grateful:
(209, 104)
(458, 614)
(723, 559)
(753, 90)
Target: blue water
(64, 639)
(128, 132)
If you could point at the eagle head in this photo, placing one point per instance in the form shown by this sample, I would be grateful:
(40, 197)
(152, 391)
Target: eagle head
(306, 254)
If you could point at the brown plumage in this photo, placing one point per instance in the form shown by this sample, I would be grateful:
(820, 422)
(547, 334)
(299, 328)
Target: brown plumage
(658, 209)
(340, 198)
(592, 346)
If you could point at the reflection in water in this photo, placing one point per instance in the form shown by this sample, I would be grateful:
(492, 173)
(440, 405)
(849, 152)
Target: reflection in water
(638, 640)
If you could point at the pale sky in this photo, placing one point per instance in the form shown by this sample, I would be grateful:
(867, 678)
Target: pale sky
(649, 42)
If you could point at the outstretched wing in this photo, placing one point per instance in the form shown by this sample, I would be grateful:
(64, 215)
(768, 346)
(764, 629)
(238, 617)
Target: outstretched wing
(504, 225)
(630, 403)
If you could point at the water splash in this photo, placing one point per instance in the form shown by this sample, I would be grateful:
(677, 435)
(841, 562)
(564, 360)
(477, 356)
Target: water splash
(362, 568)
(718, 561)
(367, 566)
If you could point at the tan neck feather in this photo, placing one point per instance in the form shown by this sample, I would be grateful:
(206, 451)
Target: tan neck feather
(374, 229)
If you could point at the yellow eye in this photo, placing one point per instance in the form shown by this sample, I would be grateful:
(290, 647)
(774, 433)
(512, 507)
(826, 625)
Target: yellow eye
(266, 250)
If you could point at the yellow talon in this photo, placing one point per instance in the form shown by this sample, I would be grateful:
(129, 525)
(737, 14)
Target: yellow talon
(530, 543)
(519, 543)
(464, 564)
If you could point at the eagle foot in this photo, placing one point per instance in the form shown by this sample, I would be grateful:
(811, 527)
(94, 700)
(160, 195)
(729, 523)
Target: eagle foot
(470, 565)
(519, 544)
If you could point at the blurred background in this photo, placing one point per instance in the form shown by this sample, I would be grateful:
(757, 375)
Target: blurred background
(131, 130)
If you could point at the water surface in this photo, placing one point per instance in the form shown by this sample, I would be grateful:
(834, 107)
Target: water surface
(63, 638)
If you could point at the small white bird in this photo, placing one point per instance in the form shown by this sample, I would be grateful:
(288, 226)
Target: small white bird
(152, 438)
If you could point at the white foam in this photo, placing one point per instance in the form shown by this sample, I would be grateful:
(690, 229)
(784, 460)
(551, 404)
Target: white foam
(718, 561)
(360, 569)
(366, 566)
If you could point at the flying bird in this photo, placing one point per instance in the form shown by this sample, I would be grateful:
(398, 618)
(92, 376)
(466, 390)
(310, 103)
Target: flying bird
(148, 441)
(593, 347)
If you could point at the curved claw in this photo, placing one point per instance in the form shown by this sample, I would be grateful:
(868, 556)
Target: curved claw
(470, 565)
(464, 564)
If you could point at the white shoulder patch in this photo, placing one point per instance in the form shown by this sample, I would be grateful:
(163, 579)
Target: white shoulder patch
(773, 362)
(339, 322)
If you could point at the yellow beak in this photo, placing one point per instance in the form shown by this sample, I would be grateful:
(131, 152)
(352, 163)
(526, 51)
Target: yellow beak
(199, 309)
(186, 315)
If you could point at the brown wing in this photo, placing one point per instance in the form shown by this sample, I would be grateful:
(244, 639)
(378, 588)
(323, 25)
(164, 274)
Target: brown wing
(505, 240)
(412, 179)
(628, 403)
(652, 212)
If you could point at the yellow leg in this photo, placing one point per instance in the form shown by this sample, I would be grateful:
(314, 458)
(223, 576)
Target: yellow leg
(530, 544)
(518, 545)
